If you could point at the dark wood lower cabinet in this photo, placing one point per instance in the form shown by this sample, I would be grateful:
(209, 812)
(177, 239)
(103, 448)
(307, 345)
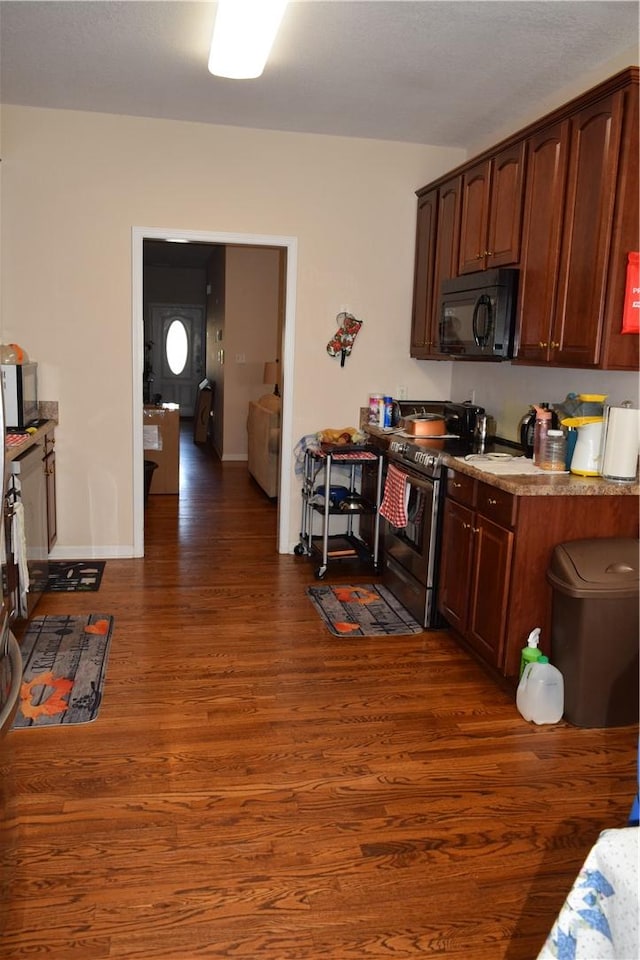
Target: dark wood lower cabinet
(49, 464)
(496, 550)
(490, 589)
(475, 578)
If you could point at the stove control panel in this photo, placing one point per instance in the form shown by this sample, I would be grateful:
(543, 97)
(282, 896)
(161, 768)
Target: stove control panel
(425, 460)
(428, 460)
(401, 447)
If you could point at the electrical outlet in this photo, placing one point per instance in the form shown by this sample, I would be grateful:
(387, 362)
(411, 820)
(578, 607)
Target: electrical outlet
(402, 393)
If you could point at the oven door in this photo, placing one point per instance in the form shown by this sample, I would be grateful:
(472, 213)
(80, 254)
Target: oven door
(411, 552)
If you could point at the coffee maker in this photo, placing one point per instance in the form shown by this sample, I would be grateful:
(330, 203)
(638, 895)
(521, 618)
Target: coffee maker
(461, 419)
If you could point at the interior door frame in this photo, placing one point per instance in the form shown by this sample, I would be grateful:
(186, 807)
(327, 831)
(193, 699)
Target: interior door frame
(138, 236)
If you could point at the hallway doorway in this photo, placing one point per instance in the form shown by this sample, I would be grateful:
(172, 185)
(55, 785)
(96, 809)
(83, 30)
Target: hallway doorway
(174, 362)
(289, 245)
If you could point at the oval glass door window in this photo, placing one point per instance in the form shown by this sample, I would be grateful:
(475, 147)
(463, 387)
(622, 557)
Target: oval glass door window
(177, 347)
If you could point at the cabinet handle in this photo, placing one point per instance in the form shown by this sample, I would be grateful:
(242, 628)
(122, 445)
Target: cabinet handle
(543, 344)
(492, 502)
(479, 256)
(455, 484)
(555, 346)
(488, 253)
(475, 529)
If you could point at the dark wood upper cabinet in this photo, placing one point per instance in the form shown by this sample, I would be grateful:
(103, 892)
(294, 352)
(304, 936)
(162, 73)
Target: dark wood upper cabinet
(437, 238)
(475, 217)
(423, 274)
(586, 234)
(559, 200)
(491, 219)
(541, 236)
(505, 209)
(576, 235)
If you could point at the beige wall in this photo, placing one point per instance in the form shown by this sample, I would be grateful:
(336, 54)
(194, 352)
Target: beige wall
(251, 322)
(507, 390)
(73, 186)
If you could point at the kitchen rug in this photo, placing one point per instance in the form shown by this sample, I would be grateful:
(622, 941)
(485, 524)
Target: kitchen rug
(71, 576)
(64, 661)
(362, 610)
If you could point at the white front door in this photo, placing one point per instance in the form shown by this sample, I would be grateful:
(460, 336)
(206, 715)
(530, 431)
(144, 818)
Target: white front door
(174, 357)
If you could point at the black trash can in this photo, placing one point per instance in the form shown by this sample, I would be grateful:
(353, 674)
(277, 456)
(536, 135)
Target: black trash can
(149, 467)
(594, 631)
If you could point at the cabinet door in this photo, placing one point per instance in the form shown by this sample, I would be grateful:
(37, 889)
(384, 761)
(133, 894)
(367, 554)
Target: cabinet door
(423, 289)
(447, 245)
(505, 207)
(620, 351)
(587, 232)
(476, 183)
(548, 154)
(490, 589)
(50, 478)
(455, 564)
(437, 239)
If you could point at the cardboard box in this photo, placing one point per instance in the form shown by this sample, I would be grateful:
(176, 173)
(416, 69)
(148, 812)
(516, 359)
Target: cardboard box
(161, 441)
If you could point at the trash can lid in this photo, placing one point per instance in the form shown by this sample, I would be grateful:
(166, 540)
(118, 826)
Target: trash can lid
(597, 567)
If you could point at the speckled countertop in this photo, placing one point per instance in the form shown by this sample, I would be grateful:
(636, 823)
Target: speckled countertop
(525, 485)
(547, 485)
(14, 450)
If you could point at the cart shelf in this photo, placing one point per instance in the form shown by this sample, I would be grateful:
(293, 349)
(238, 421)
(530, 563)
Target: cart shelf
(318, 464)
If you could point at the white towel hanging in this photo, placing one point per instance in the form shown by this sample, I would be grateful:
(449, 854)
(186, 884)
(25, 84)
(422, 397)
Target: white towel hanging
(20, 552)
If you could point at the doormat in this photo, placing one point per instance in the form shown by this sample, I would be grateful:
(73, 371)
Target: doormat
(64, 662)
(362, 610)
(67, 576)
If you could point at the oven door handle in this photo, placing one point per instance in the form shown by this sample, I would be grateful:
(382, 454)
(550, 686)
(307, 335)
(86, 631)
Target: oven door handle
(420, 482)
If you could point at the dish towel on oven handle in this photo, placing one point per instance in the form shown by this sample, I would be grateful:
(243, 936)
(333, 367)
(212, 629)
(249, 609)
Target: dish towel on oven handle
(396, 497)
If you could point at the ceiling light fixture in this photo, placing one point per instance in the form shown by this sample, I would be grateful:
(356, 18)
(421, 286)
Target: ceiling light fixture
(243, 35)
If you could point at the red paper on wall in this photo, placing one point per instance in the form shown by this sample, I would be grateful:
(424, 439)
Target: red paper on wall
(631, 315)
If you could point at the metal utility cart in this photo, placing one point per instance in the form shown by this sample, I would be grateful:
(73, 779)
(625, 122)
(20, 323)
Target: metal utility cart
(318, 466)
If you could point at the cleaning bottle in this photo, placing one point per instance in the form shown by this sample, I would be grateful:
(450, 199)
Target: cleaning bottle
(530, 653)
(540, 693)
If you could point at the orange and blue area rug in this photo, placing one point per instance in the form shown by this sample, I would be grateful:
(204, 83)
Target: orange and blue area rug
(64, 663)
(362, 610)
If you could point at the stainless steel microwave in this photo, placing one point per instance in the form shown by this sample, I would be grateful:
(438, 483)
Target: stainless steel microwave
(20, 392)
(477, 315)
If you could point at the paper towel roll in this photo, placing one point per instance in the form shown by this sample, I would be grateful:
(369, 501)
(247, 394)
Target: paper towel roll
(622, 444)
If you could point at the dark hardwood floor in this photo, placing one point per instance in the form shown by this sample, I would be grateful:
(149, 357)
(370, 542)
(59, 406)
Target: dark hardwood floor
(254, 787)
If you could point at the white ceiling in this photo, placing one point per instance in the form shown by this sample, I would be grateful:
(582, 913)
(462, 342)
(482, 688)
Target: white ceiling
(445, 72)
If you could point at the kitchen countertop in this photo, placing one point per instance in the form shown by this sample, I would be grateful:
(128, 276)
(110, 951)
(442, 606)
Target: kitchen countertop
(14, 450)
(547, 485)
(526, 485)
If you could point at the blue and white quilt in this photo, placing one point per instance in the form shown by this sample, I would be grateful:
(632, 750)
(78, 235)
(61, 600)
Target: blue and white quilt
(599, 919)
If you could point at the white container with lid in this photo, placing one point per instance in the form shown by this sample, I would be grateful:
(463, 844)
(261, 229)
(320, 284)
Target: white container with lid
(553, 451)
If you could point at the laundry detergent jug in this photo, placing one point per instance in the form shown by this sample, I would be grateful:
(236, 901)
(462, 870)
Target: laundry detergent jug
(540, 693)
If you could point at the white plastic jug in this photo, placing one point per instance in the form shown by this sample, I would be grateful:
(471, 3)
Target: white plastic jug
(586, 455)
(540, 693)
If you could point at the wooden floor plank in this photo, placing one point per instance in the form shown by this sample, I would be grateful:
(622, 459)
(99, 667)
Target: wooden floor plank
(256, 788)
